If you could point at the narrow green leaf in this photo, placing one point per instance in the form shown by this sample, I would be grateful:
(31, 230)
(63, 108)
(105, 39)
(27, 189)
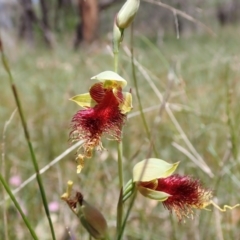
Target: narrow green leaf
(128, 190)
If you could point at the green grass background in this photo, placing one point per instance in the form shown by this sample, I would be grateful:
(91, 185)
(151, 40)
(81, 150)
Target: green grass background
(204, 97)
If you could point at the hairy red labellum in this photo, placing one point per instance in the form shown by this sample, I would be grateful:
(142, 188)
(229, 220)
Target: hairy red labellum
(186, 193)
(104, 118)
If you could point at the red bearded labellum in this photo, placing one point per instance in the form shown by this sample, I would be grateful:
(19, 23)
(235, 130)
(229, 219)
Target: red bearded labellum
(185, 193)
(104, 118)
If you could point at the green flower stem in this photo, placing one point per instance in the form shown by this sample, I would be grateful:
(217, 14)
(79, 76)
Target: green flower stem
(115, 61)
(119, 212)
(139, 98)
(120, 153)
(7, 188)
(127, 215)
(120, 175)
(27, 136)
(120, 168)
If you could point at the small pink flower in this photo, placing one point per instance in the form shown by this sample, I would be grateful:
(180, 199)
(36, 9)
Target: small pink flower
(53, 206)
(15, 180)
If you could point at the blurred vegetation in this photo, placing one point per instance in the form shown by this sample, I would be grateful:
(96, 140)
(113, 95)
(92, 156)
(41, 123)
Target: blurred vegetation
(204, 100)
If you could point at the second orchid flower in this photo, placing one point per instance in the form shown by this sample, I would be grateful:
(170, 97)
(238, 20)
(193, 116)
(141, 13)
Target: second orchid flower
(154, 179)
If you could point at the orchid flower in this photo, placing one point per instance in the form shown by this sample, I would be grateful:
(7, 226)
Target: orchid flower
(104, 113)
(154, 179)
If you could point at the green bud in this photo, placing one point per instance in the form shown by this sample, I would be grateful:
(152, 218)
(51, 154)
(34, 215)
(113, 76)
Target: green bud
(127, 13)
(93, 220)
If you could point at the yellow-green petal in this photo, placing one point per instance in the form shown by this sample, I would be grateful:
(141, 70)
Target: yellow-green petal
(152, 168)
(126, 105)
(83, 100)
(110, 79)
(156, 195)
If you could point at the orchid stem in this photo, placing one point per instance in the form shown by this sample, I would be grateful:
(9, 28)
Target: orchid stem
(120, 168)
(120, 153)
(148, 132)
(115, 61)
(27, 137)
(120, 175)
(120, 199)
(127, 215)
(119, 213)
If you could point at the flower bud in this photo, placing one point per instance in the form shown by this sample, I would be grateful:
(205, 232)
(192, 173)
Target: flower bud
(90, 217)
(127, 13)
(93, 220)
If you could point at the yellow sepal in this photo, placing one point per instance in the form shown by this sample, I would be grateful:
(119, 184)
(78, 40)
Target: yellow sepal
(84, 100)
